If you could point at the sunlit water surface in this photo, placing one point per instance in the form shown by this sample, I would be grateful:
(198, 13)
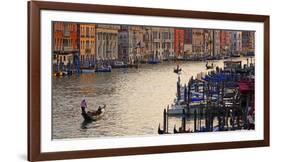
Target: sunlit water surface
(135, 100)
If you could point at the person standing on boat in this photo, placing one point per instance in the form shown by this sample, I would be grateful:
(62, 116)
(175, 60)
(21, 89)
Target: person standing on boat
(83, 105)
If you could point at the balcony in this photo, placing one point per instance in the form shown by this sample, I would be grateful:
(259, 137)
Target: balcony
(69, 49)
(156, 40)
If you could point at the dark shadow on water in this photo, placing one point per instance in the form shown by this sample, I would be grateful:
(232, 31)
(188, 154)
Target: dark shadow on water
(85, 123)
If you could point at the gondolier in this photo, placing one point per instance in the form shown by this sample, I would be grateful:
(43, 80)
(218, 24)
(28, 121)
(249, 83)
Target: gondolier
(177, 70)
(83, 105)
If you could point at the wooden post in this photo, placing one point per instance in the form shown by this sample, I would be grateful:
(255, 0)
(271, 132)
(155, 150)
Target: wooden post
(178, 90)
(232, 117)
(188, 98)
(199, 118)
(164, 121)
(246, 109)
(167, 120)
(183, 121)
(223, 104)
(195, 120)
(185, 93)
(206, 119)
(227, 114)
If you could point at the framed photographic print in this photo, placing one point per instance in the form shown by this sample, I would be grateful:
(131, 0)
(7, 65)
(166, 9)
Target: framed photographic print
(115, 80)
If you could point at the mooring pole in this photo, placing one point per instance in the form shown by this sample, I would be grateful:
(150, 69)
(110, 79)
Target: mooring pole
(183, 120)
(167, 119)
(195, 120)
(164, 121)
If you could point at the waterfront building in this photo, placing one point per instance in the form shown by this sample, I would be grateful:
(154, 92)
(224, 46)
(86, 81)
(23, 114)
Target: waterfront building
(248, 43)
(162, 43)
(167, 43)
(123, 44)
(225, 40)
(131, 44)
(198, 41)
(87, 44)
(236, 42)
(65, 47)
(147, 39)
(187, 42)
(107, 43)
(58, 28)
(179, 42)
(239, 42)
(208, 42)
(217, 48)
(136, 43)
(156, 43)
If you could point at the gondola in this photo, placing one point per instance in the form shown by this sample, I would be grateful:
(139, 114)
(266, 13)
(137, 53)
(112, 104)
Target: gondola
(177, 70)
(181, 130)
(93, 115)
(209, 66)
(160, 131)
(175, 130)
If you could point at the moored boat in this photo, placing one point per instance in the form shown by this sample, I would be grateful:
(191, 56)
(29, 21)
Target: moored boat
(88, 70)
(103, 69)
(153, 62)
(119, 64)
(209, 66)
(235, 55)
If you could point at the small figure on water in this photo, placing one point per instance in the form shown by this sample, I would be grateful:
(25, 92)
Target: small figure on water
(178, 69)
(209, 66)
(83, 105)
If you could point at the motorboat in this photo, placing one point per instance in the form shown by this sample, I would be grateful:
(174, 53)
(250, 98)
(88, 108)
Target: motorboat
(119, 64)
(103, 69)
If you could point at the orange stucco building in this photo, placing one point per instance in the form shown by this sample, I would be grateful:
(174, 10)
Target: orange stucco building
(87, 38)
(179, 42)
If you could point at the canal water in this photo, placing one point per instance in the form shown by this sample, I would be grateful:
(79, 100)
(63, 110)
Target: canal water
(135, 100)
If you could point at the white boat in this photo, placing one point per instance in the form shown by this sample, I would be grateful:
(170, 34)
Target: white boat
(103, 69)
(119, 64)
(176, 109)
(88, 70)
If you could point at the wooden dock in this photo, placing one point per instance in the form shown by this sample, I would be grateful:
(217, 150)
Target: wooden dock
(229, 109)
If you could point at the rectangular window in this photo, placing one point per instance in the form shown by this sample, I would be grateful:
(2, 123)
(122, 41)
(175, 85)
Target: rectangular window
(154, 35)
(87, 44)
(87, 32)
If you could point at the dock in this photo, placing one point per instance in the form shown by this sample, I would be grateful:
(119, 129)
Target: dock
(219, 100)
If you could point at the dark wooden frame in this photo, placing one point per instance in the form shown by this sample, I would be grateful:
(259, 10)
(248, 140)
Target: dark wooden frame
(34, 136)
